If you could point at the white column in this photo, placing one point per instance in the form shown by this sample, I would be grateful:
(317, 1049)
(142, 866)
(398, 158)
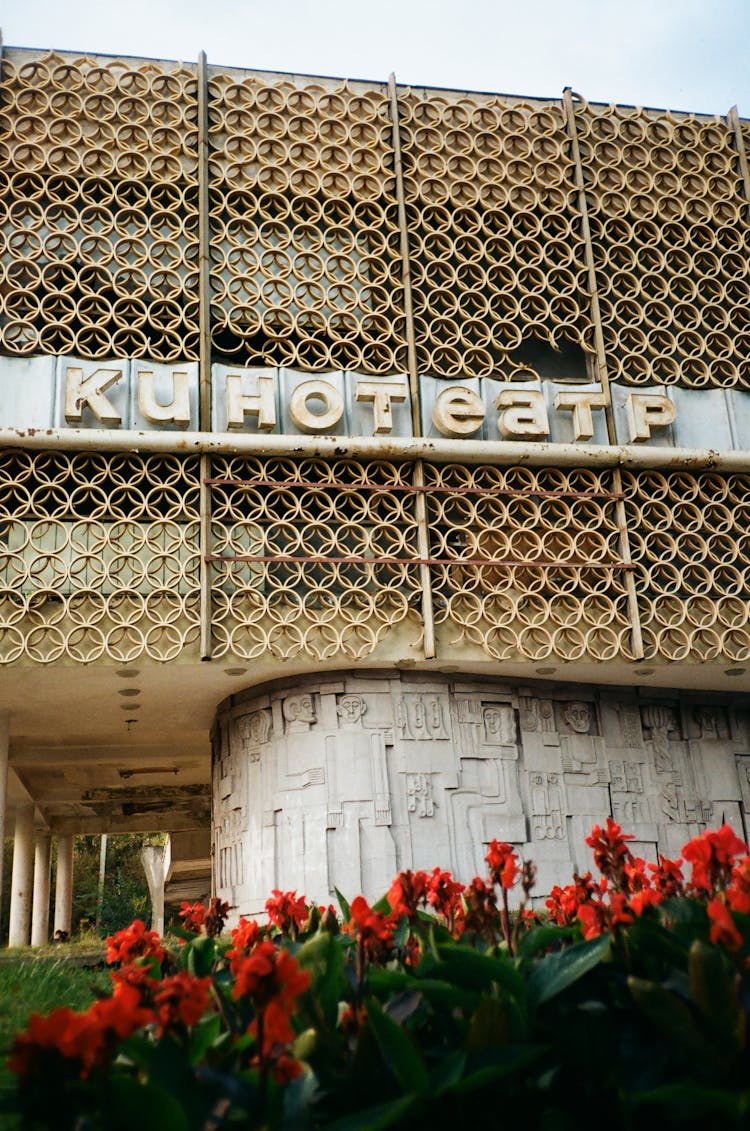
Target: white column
(22, 877)
(4, 744)
(40, 902)
(152, 858)
(64, 884)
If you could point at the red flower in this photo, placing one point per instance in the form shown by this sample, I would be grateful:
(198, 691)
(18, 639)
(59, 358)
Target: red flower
(287, 912)
(216, 917)
(667, 877)
(611, 853)
(134, 942)
(407, 892)
(738, 892)
(444, 895)
(374, 931)
(245, 937)
(478, 913)
(270, 975)
(503, 864)
(193, 916)
(43, 1034)
(180, 1000)
(563, 903)
(712, 855)
(723, 929)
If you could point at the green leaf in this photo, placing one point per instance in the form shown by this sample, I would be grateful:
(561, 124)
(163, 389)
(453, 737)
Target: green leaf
(489, 1026)
(671, 1016)
(373, 1118)
(713, 990)
(397, 1050)
(204, 1036)
(690, 1101)
(561, 969)
(382, 983)
(145, 1106)
(447, 1072)
(322, 956)
(541, 938)
(200, 956)
(464, 966)
(346, 911)
(507, 1062)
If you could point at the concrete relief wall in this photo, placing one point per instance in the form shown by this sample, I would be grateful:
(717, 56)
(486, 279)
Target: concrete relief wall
(343, 782)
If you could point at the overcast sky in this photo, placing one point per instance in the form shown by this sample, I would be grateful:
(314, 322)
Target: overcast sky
(679, 54)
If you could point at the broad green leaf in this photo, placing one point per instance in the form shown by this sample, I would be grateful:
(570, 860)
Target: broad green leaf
(561, 969)
(507, 1062)
(145, 1106)
(541, 938)
(346, 911)
(466, 967)
(489, 1026)
(200, 956)
(375, 1118)
(671, 1016)
(397, 1050)
(713, 989)
(690, 1102)
(204, 1036)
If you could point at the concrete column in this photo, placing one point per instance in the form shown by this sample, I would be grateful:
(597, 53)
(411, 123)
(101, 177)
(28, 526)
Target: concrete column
(4, 744)
(64, 884)
(40, 902)
(152, 858)
(23, 876)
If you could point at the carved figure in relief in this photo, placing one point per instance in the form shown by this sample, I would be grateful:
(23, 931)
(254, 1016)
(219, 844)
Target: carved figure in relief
(577, 715)
(661, 721)
(350, 709)
(253, 730)
(546, 807)
(498, 725)
(709, 722)
(299, 713)
(421, 717)
(419, 797)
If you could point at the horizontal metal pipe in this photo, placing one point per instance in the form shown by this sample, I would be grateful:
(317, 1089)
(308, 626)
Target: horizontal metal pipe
(535, 454)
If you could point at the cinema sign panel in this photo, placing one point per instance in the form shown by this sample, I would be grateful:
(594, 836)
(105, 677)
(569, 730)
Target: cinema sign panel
(70, 392)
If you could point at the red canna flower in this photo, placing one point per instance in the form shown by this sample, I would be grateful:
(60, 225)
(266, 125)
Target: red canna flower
(667, 877)
(611, 853)
(723, 928)
(444, 895)
(134, 942)
(478, 913)
(374, 932)
(407, 892)
(503, 863)
(288, 912)
(193, 916)
(738, 892)
(216, 917)
(181, 999)
(712, 855)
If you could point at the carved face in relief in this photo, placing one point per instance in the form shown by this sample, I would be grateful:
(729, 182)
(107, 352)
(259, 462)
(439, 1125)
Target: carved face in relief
(254, 729)
(578, 716)
(300, 710)
(708, 721)
(351, 708)
(498, 725)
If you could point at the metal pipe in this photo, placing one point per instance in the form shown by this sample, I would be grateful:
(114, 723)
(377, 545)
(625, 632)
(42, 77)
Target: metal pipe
(503, 452)
(636, 633)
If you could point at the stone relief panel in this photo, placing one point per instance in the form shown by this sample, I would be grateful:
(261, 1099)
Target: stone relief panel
(343, 781)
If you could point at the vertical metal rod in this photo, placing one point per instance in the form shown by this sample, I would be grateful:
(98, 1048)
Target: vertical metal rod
(733, 121)
(204, 283)
(601, 365)
(411, 342)
(204, 539)
(204, 251)
(420, 505)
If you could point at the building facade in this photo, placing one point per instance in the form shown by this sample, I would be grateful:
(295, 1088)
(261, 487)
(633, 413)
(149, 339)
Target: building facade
(374, 472)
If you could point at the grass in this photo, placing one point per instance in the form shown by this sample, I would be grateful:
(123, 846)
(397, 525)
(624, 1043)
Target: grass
(37, 981)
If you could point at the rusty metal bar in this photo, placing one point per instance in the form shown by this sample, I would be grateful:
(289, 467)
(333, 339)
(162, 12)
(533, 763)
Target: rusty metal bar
(430, 489)
(601, 360)
(206, 606)
(204, 249)
(423, 534)
(470, 452)
(353, 559)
